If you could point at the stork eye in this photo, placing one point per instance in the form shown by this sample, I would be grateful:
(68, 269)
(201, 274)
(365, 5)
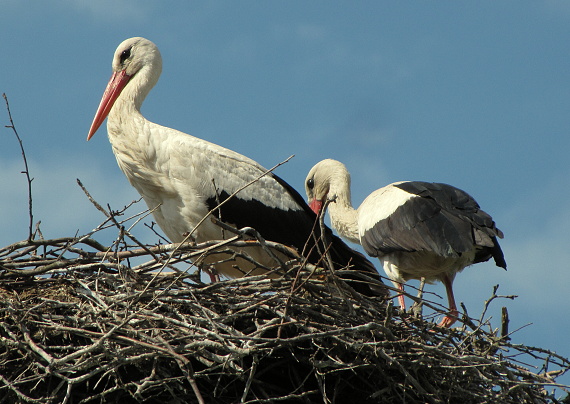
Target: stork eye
(125, 55)
(310, 183)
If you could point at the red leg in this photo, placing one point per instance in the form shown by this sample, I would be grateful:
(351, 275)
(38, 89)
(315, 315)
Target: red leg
(401, 300)
(451, 317)
(213, 274)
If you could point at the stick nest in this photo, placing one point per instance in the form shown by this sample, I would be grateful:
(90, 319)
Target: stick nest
(81, 324)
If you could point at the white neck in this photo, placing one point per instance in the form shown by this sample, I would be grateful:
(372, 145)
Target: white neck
(344, 218)
(126, 126)
(132, 137)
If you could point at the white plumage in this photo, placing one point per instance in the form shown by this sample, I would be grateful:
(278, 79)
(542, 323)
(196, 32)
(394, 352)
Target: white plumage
(182, 178)
(416, 229)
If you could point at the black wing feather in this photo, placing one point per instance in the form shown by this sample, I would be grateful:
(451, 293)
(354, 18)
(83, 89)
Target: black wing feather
(294, 228)
(444, 219)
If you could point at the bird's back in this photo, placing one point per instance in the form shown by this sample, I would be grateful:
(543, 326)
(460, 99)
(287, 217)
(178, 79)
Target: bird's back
(434, 217)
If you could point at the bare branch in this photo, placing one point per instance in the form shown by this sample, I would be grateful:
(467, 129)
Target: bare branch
(26, 168)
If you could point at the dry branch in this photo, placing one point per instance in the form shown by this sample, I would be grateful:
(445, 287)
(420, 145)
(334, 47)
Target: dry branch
(26, 168)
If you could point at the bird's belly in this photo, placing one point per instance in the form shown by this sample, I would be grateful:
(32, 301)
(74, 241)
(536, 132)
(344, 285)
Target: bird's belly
(403, 266)
(176, 221)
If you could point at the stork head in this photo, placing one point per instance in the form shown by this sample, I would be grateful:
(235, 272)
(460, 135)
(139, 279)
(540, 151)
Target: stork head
(326, 177)
(135, 57)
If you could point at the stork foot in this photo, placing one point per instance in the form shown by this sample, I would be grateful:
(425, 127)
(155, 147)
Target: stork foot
(449, 319)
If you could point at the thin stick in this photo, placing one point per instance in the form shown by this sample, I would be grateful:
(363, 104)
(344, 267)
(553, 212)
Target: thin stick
(26, 168)
(324, 237)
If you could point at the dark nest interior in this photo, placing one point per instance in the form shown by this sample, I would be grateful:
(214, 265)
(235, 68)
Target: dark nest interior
(82, 323)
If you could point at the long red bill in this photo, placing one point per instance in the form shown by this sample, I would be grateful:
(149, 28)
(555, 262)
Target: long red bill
(116, 84)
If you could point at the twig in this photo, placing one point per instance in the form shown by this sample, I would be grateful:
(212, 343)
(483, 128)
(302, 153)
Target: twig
(324, 238)
(26, 168)
(186, 367)
(493, 297)
(92, 200)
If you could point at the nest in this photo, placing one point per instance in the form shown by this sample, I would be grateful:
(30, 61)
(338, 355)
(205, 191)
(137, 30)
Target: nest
(81, 323)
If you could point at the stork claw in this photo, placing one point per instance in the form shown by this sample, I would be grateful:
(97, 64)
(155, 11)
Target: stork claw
(449, 319)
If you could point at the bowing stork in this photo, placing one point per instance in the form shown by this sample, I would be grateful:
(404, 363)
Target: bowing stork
(416, 229)
(183, 178)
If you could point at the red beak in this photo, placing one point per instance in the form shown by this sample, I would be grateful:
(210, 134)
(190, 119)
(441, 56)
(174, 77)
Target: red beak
(116, 84)
(316, 205)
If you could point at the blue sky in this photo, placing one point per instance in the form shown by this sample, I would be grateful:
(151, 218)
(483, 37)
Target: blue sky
(474, 94)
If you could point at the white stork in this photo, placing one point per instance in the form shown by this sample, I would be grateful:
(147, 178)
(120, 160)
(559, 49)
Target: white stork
(182, 178)
(416, 229)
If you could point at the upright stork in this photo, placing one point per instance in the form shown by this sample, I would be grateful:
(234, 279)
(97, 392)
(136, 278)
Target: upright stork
(416, 229)
(183, 178)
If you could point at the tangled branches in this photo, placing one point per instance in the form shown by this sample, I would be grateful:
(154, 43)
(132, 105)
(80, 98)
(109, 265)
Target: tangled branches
(80, 324)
